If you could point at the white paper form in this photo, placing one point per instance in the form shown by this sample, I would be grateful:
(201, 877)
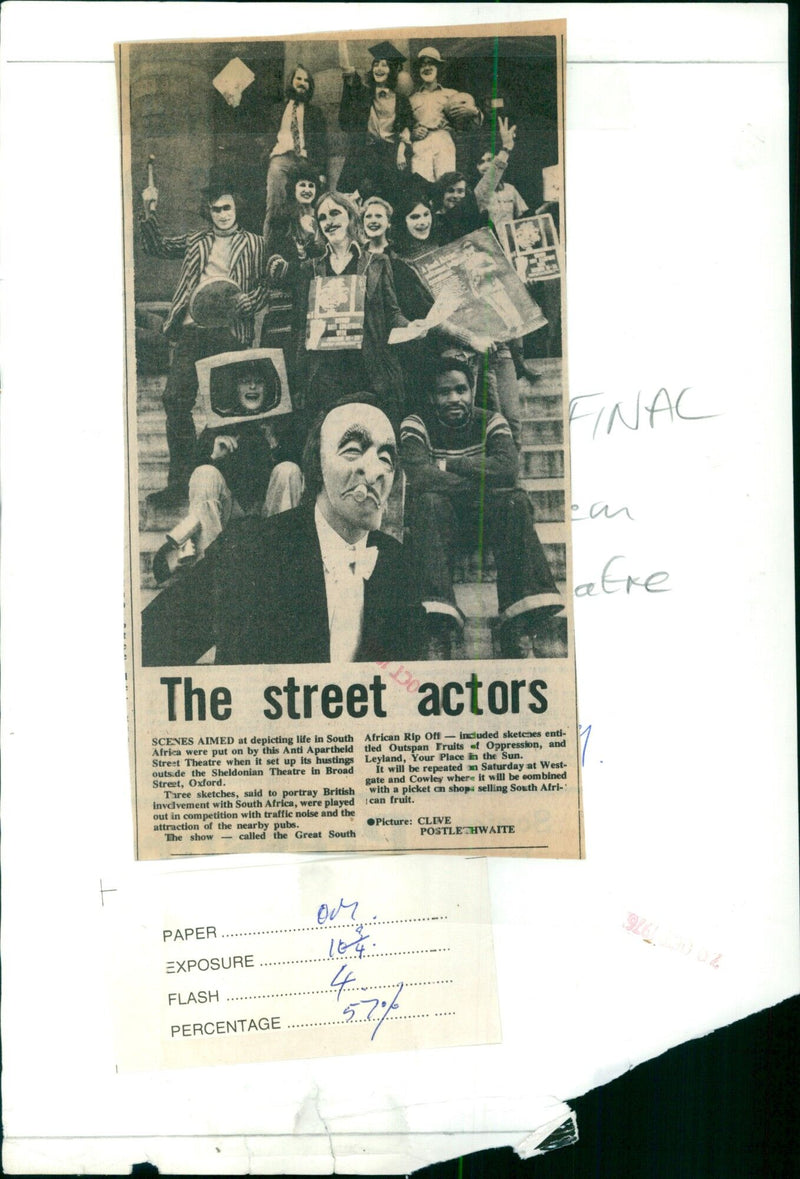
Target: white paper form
(277, 964)
(683, 917)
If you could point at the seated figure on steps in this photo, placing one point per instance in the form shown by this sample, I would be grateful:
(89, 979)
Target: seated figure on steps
(241, 465)
(461, 467)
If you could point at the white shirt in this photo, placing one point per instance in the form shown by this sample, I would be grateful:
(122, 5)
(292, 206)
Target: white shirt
(380, 124)
(285, 142)
(344, 588)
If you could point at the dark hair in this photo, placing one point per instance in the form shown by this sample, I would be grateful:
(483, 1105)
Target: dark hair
(391, 81)
(214, 192)
(408, 199)
(311, 462)
(448, 180)
(225, 379)
(302, 170)
(289, 92)
(448, 364)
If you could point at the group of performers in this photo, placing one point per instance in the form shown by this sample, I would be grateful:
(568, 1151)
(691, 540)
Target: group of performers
(399, 196)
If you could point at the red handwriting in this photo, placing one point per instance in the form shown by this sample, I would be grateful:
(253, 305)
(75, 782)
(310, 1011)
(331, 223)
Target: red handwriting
(402, 677)
(668, 940)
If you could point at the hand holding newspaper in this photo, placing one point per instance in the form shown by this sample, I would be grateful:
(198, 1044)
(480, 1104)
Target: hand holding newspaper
(446, 305)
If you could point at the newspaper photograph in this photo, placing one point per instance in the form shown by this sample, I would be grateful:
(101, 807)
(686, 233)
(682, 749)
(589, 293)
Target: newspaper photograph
(532, 245)
(349, 578)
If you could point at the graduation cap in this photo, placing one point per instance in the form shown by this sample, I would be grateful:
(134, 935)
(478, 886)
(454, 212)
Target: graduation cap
(385, 51)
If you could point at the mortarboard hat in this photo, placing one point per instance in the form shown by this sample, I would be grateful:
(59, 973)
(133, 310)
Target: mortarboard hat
(385, 51)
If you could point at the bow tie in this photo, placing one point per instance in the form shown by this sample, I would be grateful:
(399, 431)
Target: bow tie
(354, 563)
(383, 93)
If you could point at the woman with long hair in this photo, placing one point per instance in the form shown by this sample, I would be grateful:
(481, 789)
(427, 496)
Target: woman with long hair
(413, 231)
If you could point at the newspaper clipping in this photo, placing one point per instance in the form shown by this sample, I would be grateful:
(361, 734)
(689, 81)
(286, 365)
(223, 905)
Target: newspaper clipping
(349, 598)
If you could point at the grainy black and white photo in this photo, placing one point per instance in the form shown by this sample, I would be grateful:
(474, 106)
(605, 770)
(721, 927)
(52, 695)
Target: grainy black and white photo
(347, 376)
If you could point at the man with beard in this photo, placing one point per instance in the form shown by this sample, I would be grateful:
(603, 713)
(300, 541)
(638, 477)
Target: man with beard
(461, 466)
(298, 134)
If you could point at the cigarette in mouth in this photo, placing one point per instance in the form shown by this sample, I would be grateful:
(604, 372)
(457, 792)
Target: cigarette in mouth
(360, 494)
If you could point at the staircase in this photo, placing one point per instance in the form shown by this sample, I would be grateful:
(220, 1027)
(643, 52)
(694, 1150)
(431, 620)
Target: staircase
(153, 467)
(541, 475)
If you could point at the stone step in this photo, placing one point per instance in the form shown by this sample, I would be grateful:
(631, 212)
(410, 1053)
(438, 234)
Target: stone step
(150, 422)
(481, 639)
(539, 405)
(159, 520)
(545, 462)
(548, 505)
(478, 568)
(541, 432)
(152, 447)
(152, 475)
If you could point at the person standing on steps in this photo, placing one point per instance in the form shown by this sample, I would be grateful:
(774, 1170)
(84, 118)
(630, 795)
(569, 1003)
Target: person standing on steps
(299, 135)
(222, 251)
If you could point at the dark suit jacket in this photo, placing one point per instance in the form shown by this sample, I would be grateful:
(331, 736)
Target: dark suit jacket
(354, 110)
(259, 595)
(315, 133)
(270, 599)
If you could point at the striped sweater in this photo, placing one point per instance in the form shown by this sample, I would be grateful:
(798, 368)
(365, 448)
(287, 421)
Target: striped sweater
(440, 457)
(248, 271)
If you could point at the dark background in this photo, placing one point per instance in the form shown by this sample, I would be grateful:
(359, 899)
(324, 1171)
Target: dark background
(178, 116)
(726, 1106)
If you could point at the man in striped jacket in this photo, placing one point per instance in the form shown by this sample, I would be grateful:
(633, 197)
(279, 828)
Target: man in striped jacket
(221, 251)
(461, 465)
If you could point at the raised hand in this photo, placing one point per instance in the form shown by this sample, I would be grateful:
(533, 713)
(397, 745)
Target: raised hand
(224, 444)
(508, 134)
(150, 198)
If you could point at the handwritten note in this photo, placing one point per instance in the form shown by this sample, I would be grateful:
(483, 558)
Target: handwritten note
(282, 963)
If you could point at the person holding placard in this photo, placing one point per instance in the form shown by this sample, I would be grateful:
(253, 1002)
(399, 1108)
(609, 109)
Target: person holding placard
(224, 281)
(347, 317)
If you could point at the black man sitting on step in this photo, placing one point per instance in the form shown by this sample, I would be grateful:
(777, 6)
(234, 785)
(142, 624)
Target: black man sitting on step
(461, 465)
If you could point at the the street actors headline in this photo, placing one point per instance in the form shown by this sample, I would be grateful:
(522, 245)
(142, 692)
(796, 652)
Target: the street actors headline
(299, 701)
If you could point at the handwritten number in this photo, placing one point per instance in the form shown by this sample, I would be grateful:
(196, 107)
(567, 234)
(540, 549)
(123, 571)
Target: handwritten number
(341, 983)
(585, 734)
